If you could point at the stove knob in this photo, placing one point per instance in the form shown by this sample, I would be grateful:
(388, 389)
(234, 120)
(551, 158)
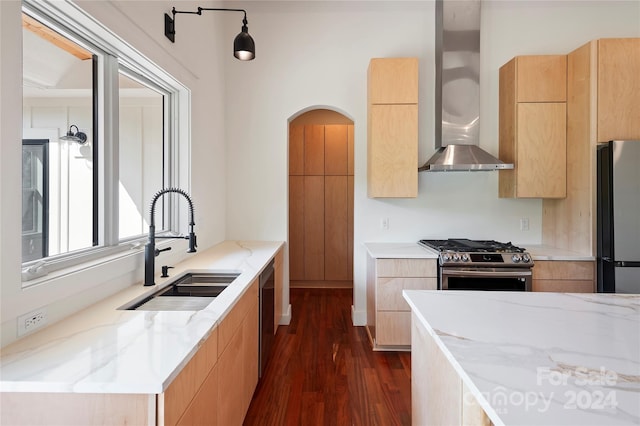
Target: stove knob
(526, 258)
(456, 257)
(516, 258)
(465, 257)
(446, 257)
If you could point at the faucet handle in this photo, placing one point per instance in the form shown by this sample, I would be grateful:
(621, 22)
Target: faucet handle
(158, 251)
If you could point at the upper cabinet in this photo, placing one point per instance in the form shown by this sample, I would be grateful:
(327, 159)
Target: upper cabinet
(616, 63)
(392, 128)
(532, 108)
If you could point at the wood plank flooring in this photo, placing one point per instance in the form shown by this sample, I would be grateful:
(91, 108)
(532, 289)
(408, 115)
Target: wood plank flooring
(323, 371)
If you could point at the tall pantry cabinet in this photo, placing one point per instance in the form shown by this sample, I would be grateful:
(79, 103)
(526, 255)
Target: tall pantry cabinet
(603, 103)
(321, 202)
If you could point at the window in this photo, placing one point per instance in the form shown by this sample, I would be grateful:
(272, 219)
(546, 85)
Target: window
(142, 151)
(88, 197)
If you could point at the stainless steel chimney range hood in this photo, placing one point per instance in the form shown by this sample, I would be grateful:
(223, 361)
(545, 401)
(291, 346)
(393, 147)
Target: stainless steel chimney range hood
(457, 91)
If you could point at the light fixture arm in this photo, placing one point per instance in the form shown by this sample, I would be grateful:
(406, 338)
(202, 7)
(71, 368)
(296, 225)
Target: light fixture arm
(170, 21)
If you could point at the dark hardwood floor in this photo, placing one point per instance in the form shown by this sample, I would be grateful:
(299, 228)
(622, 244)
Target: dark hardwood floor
(323, 371)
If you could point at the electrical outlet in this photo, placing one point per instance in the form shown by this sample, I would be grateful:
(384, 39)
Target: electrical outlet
(384, 223)
(32, 321)
(524, 224)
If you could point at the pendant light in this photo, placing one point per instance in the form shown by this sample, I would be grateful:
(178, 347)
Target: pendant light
(244, 47)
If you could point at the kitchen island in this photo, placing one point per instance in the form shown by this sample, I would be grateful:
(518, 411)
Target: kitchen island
(525, 358)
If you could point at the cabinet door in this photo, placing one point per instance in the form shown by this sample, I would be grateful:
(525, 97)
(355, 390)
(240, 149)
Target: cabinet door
(618, 89)
(541, 150)
(390, 297)
(314, 227)
(393, 151)
(336, 150)
(336, 266)
(238, 370)
(203, 408)
(296, 227)
(314, 150)
(393, 81)
(541, 78)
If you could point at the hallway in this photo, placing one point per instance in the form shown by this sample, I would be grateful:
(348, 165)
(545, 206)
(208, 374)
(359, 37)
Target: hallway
(323, 371)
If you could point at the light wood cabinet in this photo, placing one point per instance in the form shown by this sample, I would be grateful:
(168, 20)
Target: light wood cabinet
(388, 314)
(392, 128)
(564, 276)
(532, 129)
(603, 103)
(182, 397)
(238, 359)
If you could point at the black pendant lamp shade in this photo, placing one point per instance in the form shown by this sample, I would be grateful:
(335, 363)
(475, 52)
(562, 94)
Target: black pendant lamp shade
(244, 48)
(77, 136)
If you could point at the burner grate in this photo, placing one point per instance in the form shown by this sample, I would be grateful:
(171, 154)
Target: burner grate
(471, 246)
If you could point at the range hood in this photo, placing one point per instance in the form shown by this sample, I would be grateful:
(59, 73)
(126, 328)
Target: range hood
(457, 91)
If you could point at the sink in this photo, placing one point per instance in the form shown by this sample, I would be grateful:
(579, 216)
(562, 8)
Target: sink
(191, 291)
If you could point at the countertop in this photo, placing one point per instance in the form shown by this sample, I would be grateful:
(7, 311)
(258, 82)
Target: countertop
(412, 250)
(400, 251)
(105, 350)
(540, 358)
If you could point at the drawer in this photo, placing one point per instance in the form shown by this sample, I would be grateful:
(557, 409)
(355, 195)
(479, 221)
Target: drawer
(563, 270)
(393, 329)
(406, 268)
(564, 286)
(389, 297)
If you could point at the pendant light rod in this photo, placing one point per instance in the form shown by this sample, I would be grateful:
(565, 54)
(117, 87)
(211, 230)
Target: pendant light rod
(244, 47)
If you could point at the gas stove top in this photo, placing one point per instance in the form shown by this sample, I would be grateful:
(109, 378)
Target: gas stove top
(478, 253)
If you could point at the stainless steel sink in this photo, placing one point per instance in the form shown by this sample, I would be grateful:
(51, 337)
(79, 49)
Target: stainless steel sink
(191, 291)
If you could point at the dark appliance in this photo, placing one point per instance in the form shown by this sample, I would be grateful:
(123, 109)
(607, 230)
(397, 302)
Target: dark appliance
(465, 264)
(618, 221)
(267, 297)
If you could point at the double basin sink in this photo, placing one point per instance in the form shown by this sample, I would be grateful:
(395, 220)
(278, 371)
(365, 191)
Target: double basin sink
(191, 291)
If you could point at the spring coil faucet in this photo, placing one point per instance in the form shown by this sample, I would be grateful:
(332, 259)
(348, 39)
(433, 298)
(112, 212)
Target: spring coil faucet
(150, 251)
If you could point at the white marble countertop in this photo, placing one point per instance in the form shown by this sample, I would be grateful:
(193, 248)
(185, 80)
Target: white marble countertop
(105, 350)
(412, 250)
(400, 251)
(541, 358)
(545, 252)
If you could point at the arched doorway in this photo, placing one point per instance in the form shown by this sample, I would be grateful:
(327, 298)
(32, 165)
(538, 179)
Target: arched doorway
(321, 200)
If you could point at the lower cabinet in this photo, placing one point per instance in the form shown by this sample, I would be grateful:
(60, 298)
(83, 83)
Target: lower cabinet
(388, 314)
(564, 276)
(238, 359)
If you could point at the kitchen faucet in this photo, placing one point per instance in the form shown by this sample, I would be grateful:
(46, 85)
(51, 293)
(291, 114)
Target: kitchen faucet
(150, 250)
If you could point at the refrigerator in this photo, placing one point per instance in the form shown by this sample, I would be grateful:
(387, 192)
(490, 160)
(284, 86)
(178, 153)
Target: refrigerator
(618, 220)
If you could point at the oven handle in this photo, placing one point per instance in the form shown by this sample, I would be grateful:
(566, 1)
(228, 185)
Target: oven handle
(485, 273)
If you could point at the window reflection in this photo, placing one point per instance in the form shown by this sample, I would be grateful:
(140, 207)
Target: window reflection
(58, 82)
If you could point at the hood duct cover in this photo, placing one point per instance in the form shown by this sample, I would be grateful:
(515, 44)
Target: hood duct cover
(457, 91)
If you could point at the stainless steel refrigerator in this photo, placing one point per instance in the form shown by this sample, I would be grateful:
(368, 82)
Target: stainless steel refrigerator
(618, 221)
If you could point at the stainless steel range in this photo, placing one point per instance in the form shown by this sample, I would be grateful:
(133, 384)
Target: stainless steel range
(481, 265)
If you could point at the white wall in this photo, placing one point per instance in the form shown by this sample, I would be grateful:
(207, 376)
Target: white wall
(195, 60)
(317, 53)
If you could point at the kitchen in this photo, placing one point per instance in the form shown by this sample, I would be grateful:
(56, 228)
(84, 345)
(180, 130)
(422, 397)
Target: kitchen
(240, 189)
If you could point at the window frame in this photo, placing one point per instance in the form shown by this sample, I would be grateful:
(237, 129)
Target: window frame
(113, 56)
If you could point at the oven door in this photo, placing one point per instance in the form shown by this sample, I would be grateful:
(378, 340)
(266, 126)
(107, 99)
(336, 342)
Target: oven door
(497, 279)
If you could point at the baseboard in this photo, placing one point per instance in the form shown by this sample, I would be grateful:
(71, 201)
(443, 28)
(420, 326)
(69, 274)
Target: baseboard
(286, 318)
(359, 318)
